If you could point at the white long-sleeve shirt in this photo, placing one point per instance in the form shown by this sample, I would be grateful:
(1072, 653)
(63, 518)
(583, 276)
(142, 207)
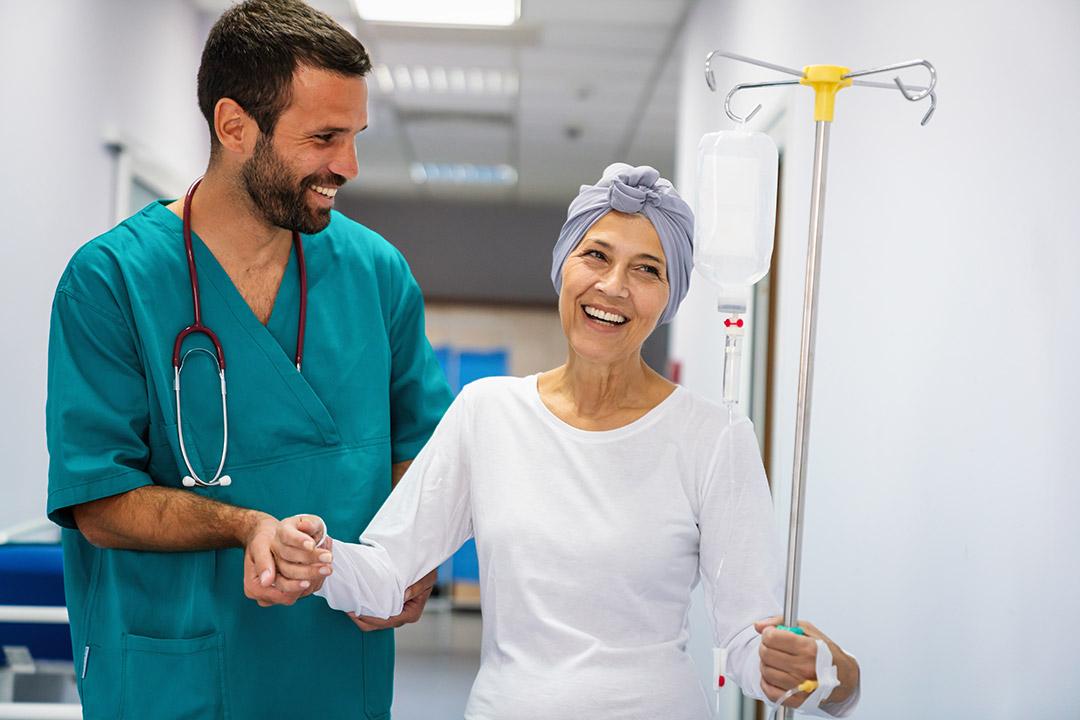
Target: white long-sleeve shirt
(589, 544)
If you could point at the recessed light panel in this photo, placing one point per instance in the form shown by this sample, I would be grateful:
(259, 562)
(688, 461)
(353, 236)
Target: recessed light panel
(462, 174)
(438, 80)
(489, 13)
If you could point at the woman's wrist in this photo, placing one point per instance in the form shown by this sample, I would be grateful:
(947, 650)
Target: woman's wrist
(847, 672)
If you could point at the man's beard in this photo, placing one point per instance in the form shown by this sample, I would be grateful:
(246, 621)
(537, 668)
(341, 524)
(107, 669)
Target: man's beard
(280, 199)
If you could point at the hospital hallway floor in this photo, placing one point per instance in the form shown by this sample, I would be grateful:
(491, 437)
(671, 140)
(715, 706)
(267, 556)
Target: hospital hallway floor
(437, 659)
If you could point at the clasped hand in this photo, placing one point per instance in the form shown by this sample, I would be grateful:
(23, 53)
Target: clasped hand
(297, 559)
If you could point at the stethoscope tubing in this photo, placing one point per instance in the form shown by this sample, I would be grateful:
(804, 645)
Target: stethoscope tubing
(192, 478)
(197, 327)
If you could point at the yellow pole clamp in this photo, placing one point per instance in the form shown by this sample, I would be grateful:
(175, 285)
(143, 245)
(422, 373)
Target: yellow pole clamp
(826, 81)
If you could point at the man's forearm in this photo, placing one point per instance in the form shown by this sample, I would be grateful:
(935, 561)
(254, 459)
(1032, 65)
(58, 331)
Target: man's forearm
(397, 471)
(165, 520)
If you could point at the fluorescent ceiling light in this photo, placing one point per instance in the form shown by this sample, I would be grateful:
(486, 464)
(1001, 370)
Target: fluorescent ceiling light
(491, 13)
(464, 81)
(402, 78)
(383, 78)
(462, 174)
(420, 79)
(457, 80)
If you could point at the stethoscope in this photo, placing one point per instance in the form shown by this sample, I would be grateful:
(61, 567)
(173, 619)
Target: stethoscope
(192, 478)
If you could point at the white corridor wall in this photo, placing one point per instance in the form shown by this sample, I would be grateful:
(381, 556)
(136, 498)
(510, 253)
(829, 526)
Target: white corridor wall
(943, 495)
(72, 72)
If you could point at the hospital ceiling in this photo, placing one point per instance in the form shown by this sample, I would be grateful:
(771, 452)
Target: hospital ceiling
(570, 88)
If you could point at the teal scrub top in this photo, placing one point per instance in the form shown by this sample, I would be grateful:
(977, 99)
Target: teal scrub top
(171, 635)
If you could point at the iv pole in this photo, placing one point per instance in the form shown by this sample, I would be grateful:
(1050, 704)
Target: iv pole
(826, 80)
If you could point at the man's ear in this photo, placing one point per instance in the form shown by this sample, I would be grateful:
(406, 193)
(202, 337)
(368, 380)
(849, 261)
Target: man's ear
(236, 130)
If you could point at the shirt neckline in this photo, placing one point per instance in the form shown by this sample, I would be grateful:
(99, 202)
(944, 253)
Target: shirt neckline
(647, 420)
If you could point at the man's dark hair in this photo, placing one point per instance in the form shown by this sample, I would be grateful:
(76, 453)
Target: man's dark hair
(255, 47)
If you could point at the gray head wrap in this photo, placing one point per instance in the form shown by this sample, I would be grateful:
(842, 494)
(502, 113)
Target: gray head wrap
(634, 190)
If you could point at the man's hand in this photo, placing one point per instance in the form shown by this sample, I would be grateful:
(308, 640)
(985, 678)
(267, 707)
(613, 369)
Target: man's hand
(301, 566)
(788, 659)
(268, 579)
(416, 597)
(260, 570)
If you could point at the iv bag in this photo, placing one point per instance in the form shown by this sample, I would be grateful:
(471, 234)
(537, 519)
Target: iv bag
(735, 209)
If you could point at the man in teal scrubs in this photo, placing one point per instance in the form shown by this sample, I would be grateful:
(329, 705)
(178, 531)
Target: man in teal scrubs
(164, 582)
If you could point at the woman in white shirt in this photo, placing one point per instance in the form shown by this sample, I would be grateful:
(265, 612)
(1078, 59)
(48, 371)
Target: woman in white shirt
(598, 494)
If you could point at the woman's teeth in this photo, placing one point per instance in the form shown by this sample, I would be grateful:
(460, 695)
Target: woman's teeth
(604, 316)
(325, 191)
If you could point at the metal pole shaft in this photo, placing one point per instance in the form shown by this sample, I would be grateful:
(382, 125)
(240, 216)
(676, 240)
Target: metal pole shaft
(806, 378)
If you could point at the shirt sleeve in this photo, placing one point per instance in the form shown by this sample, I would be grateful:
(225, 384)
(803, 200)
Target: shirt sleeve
(419, 394)
(739, 559)
(426, 518)
(96, 413)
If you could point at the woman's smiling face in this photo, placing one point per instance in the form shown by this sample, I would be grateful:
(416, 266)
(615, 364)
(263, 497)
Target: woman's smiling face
(614, 288)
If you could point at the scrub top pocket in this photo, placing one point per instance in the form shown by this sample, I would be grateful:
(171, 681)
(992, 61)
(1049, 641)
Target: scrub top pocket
(173, 679)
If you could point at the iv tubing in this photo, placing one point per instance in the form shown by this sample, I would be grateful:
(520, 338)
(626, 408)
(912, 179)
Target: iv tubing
(806, 686)
(732, 371)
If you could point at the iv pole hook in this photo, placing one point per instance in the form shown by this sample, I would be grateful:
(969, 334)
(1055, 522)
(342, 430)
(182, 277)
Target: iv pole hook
(710, 80)
(747, 86)
(922, 92)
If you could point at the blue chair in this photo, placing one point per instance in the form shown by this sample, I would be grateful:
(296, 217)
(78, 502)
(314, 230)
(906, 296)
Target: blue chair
(444, 355)
(474, 364)
(33, 574)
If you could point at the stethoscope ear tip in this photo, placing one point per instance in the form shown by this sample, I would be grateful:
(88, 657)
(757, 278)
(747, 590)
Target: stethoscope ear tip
(225, 481)
(188, 481)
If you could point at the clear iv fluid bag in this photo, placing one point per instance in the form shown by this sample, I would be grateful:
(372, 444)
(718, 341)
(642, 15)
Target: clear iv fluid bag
(736, 208)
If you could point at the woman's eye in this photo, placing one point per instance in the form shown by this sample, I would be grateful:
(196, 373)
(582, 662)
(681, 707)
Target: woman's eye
(596, 254)
(651, 269)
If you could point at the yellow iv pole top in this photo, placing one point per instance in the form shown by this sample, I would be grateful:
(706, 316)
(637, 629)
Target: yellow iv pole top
(826, 80)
